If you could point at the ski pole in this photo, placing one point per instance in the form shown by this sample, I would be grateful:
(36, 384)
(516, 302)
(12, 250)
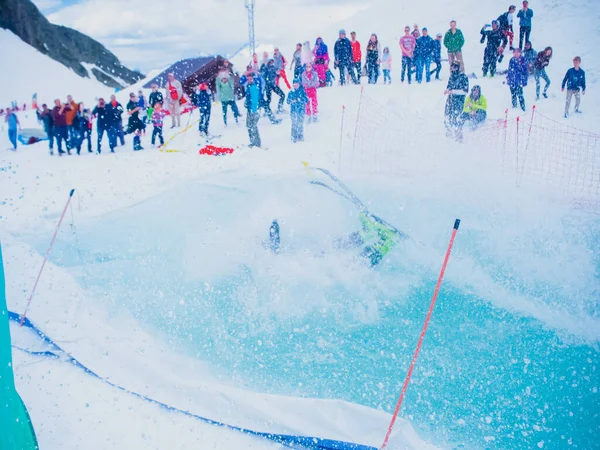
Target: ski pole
(423, 331)
(62, 216)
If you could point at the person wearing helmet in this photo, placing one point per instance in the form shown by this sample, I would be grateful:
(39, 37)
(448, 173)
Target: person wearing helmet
(496, 42)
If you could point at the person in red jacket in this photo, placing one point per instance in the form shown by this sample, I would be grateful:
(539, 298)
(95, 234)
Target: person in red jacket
(356, 55)
(60, 131)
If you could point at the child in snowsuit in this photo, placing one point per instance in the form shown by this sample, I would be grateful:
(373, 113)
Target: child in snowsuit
(201, 99)
(310, 83)
(575, 82)
(158, 116)
(386, 65)
(298, 100)
(517, 78)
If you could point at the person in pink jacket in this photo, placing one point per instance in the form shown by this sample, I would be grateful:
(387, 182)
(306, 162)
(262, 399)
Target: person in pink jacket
(407, 45)
(310, 83)
(321, 62)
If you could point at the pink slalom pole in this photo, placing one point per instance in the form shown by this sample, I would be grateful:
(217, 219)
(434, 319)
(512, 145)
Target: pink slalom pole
(423, 331)
(62, 216)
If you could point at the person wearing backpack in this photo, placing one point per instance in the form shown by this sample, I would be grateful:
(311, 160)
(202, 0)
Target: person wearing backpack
(173, 94)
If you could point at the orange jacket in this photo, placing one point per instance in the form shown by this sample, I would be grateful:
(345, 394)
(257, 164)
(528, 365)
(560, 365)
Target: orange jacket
(71, 113)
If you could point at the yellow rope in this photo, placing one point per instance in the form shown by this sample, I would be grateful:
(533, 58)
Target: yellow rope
(164, 146)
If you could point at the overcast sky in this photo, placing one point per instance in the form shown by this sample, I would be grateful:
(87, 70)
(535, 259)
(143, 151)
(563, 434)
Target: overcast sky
(151, 34)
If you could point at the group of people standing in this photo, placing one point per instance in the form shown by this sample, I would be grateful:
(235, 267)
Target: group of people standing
(525, 62)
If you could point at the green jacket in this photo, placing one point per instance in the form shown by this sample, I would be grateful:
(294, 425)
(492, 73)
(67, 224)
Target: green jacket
(454, 42)
(225, 90)
(371, 230)
(475, 105)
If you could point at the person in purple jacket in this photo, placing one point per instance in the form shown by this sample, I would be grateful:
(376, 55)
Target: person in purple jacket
(517, 78)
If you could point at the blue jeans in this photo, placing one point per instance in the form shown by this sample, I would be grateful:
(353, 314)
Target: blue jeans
(386, 76)
(12, 137)
(423, 63)
(406, 64)
(537, 75)
(111, 132)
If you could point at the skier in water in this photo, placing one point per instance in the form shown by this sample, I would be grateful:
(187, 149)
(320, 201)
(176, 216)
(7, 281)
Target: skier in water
(375, 238)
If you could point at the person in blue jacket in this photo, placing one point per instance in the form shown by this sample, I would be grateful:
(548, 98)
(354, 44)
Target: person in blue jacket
(524, 16)
(297, 99)
(574, 80)
(424, 55)
(201, 99)
(13, 126)
(260, 82)
(437, 56)
(517, 77)
(252, 103)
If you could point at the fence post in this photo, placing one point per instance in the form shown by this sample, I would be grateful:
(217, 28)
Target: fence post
(505, 139)
(341, 139)
(517, 168)
(362, 88)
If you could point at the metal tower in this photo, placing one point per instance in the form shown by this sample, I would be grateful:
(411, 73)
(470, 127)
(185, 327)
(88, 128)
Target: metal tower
(251, 39)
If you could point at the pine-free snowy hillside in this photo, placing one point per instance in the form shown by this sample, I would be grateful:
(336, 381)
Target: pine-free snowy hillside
(34, 73)
(69, 47)
(161, 280)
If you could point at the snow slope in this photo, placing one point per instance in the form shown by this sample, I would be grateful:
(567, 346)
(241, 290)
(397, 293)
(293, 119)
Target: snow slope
(33, 72)
(502, 370)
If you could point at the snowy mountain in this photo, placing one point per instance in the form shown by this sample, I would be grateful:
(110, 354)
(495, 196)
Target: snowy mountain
(159, 280)
(80, 53)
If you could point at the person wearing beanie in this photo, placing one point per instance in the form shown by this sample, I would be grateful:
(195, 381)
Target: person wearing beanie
(297, 99)
(437, 56)
(342, 52)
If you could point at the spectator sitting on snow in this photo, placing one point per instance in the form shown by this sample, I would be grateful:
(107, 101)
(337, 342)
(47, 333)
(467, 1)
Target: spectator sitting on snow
(475, 110)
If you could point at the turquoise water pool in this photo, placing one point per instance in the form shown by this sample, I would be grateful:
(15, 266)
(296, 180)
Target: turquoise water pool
(511, 358)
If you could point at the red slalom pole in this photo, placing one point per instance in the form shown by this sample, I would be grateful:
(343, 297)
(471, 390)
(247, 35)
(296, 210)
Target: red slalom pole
(62, 216)
(423, 331)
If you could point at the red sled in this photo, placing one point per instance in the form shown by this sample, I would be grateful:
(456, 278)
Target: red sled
(215, 151)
